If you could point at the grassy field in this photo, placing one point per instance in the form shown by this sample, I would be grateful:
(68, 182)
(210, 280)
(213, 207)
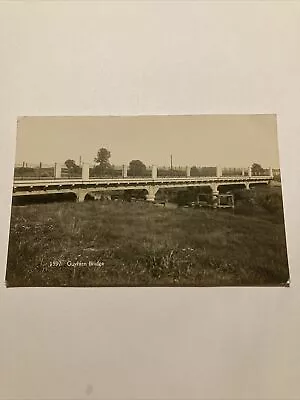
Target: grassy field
(140, 244)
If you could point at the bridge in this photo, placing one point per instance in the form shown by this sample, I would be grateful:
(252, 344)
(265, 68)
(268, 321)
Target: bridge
(95, 186)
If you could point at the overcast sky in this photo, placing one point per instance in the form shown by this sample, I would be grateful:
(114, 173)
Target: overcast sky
(227, 140)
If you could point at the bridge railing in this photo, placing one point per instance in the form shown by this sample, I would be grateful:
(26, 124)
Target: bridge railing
(40, 171)
(261, 172)
(234, 172)
(145, 173)
(109, 173)
(196, 171)
(68, 173)
(167, 172)
(86, 171)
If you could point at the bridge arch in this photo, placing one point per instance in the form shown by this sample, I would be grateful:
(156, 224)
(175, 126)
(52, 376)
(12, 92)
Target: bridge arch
(232, 187)
(43, 198)
(257, 184)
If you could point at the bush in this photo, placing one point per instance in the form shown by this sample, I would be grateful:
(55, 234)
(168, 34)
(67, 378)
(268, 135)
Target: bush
(263, 202)
(271, 202)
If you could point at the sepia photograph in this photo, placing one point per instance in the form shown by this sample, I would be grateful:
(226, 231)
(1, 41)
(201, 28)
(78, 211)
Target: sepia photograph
(161, 200)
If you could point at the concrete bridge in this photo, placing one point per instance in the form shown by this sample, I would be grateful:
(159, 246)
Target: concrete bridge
(85, 185)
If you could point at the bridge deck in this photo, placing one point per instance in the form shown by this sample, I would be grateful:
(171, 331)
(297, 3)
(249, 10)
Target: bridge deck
(93, 185)
(114, 181)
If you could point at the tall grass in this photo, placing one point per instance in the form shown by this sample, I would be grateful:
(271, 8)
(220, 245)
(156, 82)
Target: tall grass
(138, 244)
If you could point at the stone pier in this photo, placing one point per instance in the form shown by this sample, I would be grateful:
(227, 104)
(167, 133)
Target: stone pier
(215, 194)
(80, 193)
(152, 190)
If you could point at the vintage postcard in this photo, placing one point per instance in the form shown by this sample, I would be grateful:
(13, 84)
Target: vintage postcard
(189, 200)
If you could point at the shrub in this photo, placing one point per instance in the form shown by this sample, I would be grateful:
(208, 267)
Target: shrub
(271, 202)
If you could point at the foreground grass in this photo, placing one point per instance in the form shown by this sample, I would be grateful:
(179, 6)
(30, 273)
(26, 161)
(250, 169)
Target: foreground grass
(139, 244)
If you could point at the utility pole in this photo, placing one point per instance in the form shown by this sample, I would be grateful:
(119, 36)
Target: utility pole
(171, 162)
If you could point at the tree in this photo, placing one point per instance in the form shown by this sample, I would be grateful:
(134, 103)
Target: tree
(257, 169)
(271, 201)
(70, 164)
(102, 160)
(73, 168)
(136, 168)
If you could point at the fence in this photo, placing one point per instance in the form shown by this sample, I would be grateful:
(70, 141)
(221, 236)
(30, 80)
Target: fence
(43, 171)
(40, 171)
(112, 172)
(165, 172)
(140, 173)
(261, 172)
(68, 173)
(235, 172)
(203, 171)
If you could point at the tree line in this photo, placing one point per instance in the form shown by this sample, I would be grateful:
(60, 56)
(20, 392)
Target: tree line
(104, 167)
(138, 168)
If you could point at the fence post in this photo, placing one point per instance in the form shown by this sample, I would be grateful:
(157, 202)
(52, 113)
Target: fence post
(85, 171)
(124, 171)
(154, 172)
(57, 171)
(271, 172)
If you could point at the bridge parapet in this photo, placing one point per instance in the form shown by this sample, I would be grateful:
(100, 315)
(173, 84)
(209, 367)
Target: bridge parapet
(154, 171)
(57, 171)
(85, 172)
